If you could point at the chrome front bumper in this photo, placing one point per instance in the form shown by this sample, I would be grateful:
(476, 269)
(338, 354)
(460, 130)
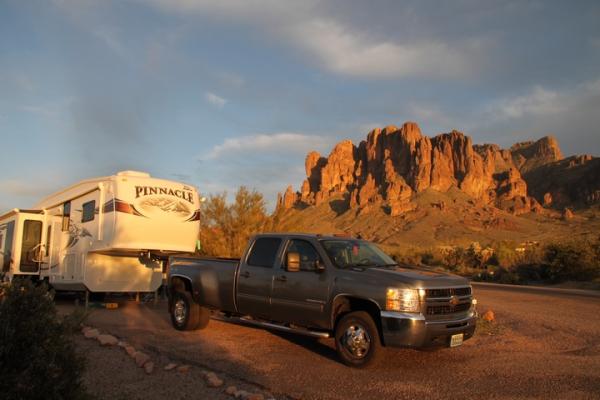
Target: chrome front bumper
(415, 331)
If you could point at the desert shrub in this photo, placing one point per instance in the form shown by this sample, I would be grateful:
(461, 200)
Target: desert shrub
(225, 228)
(405, 256)
(577, 261)
(428, 258)
(505, 254)
(531, 272)
(37, 357)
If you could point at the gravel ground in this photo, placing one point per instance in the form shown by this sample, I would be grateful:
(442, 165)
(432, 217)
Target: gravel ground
(544, 345)
(112, 374)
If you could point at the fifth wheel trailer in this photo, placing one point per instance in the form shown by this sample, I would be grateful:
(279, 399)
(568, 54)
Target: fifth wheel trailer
(107, 234)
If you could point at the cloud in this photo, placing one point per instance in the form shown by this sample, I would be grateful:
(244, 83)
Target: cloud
(278, 142)
(538, 102)
(215, 100)
(342, 46)
(346, 51)
(266, 162)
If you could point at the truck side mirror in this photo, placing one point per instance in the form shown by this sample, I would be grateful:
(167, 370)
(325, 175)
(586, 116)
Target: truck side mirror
(293, 262)
(319, 266)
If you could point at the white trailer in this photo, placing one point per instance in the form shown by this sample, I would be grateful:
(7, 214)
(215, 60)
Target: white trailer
(108, 234)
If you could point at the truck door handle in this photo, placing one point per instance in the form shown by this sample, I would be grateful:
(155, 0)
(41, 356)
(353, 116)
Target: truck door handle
(245, 274)
(281, 278)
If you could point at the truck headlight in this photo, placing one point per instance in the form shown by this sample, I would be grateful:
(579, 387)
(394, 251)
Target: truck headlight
(405, 300)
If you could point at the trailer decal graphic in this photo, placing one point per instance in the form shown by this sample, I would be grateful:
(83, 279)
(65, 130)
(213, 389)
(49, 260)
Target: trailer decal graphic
(76, 233)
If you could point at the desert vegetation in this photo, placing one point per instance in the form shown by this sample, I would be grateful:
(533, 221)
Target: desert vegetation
(226, 227)
(516, 263)
(37, 356)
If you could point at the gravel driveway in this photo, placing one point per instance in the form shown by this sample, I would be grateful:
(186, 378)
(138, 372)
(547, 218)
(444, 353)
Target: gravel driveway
(545, 345)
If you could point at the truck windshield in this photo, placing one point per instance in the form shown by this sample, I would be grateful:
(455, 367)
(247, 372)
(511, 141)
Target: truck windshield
(348, 253)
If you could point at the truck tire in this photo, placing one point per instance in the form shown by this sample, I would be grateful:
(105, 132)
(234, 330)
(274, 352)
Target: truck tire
(187, 315)
(357, 339)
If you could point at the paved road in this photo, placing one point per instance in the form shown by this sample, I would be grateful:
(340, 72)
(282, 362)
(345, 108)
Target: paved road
(548, 347)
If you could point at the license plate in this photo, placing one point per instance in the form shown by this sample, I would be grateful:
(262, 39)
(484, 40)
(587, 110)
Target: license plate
(456, 340)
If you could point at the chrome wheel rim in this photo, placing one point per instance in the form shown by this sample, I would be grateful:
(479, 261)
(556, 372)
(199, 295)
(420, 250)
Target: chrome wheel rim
(356, 341)
(179, 312)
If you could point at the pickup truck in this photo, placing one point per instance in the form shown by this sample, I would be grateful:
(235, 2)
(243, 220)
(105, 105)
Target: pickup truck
(325, 286)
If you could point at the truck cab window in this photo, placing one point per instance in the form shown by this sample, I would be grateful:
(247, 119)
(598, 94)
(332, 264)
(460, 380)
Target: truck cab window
(264, 252)
(308, 254)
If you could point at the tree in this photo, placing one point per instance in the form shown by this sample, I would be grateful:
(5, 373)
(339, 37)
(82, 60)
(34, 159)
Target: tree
(226, 228)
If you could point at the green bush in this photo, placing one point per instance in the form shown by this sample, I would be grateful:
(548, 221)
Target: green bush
(37, 357)
(576, 261)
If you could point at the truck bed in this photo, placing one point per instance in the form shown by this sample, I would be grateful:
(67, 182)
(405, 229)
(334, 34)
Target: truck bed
(218, 275)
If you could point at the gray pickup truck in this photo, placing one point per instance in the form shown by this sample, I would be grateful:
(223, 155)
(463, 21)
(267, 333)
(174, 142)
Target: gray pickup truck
(325, 286)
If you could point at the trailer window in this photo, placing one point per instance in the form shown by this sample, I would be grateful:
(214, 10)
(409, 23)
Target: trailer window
(48, 236)
(264, 252)
(89, 210)
(66, 216)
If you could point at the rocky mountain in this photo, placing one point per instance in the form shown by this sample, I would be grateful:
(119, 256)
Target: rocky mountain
(393, 165)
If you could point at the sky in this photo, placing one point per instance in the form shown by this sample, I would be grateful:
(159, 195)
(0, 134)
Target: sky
(220, 94)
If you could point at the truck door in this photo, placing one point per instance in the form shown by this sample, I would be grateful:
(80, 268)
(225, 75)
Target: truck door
(256, 276)
(300, 297)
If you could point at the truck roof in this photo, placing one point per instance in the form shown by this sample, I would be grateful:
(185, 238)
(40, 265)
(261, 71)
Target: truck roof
(307, 235)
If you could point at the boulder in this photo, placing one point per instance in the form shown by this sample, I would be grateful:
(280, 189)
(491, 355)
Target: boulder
(488, 316)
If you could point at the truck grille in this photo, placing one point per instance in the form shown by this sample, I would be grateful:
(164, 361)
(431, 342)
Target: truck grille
(448, 292)
(447, 309)
(446, 301)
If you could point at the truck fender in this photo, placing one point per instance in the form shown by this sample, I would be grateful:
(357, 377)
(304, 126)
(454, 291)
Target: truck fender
(344, 303)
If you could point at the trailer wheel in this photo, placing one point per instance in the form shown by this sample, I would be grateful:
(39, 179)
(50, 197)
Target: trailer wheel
(357, 339)
(187, 315)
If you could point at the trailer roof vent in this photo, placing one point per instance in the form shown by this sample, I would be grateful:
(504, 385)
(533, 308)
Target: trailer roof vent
(138, 174)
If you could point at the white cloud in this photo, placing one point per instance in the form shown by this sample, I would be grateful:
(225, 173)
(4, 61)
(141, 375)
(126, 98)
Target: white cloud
(539, 102)
(279, 142)
(340, 47)
(346, 51)
(215, 100)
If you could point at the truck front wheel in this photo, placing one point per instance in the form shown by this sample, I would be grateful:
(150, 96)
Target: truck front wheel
(187, 315)
(357, 339)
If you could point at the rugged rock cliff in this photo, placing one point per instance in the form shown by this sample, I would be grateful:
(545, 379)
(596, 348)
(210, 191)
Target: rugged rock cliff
(393, 164)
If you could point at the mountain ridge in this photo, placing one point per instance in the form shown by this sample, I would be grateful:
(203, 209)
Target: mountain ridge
(394, 164)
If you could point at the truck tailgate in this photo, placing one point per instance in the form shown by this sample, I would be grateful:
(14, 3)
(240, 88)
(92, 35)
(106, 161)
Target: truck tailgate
(213, 279)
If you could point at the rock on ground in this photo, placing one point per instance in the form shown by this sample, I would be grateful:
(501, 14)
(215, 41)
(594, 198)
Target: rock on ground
(91, 333)
(107, 340)
(141, 358)
(170, 366)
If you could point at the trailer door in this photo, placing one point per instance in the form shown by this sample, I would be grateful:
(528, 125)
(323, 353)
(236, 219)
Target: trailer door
(51, 256)
(31, 246)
